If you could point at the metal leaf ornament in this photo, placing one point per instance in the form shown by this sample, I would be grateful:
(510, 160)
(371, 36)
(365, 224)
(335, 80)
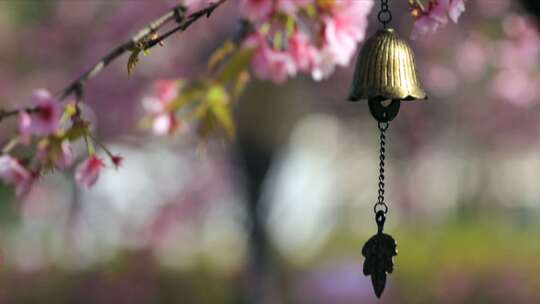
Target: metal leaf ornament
(379, 252)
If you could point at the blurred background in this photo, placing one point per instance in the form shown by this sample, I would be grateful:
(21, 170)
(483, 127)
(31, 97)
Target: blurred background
(281, 214)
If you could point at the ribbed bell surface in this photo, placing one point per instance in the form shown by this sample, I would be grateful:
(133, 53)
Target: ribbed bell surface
(385, 69)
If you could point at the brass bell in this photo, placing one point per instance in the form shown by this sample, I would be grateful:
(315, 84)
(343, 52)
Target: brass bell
(386, 70)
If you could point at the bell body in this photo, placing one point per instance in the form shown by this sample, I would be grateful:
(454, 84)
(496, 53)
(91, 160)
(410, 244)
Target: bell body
(386, 69)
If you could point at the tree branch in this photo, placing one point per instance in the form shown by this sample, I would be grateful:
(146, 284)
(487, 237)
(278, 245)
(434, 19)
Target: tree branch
(139, 40)
(176, 14)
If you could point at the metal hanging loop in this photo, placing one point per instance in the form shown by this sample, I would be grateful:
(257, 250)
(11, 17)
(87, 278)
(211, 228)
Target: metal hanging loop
(384, 16)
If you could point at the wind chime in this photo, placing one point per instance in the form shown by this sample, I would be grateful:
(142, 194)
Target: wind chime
(385, 75)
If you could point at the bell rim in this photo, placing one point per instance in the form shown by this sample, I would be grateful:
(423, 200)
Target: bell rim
(388, 93)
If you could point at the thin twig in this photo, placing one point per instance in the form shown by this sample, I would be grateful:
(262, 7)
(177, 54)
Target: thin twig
(177, 14)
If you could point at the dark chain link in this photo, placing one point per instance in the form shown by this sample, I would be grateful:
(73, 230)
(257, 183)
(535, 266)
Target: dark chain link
(385, 16)
(380, 205)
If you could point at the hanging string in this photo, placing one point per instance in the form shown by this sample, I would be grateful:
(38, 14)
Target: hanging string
(385, 16)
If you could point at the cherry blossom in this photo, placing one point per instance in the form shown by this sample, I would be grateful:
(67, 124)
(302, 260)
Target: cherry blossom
(270, 64)
(303, 52)
(290, 7)
(117, 160)
(456, 8)
(13, 173)
(256, 10)
(88, 171)
(429, 20)
(45, 120)
(163, 120)
(65, 155)
(345, 29)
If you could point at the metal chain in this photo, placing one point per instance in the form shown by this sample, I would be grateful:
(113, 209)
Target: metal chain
(385, 16)
(380, 205)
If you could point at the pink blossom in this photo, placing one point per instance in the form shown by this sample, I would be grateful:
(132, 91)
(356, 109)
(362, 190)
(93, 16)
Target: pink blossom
(269, 64)
(65, 155)
(163, 93)
(516, 87)
(45, 120)
(13, 173)
(456, 8)
(473, 56)
(304, 54)
(158, 105)
(164, 124)
(522, 48)
(59, 155)
(429, 21)
(325, 66)
(88, 171)
(117, 160)
(290, 7)
(436, 15)
(344, 29)
(256, 10)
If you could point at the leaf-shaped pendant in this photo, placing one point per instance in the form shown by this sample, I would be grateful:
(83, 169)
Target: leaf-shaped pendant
(379, 251)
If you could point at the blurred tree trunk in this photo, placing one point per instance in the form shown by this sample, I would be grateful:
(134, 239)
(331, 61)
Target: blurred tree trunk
(265, 118)
(258, 280)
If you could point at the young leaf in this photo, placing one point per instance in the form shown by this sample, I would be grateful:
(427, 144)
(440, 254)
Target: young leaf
(133, 60)
(219, 105)
(206, 125)
(189, 94)
(240, 83)
(236, 64)
(220, 54)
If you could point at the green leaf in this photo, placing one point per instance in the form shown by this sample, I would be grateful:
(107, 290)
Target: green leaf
(218, 99)
(236, 64)
(206, 125)
(220, 54)
(133, 60)
(77, 131)
(240, 83)
(187, 95)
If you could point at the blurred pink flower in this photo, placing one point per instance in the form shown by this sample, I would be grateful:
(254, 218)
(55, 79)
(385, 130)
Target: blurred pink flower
(88, 171)
(522, 48)
(45, 120)
(290, 7)
(429, 20)
(61, 156)
(163, 120)
(65, 156)
(117, 161)
(516, 86)
(13, 173)
(344, 29)
(164, 124)
(269, 64)
(473, 56)
(256, 10)
(163, 93)
(304, 54)
(442, 81)
(456, 8)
